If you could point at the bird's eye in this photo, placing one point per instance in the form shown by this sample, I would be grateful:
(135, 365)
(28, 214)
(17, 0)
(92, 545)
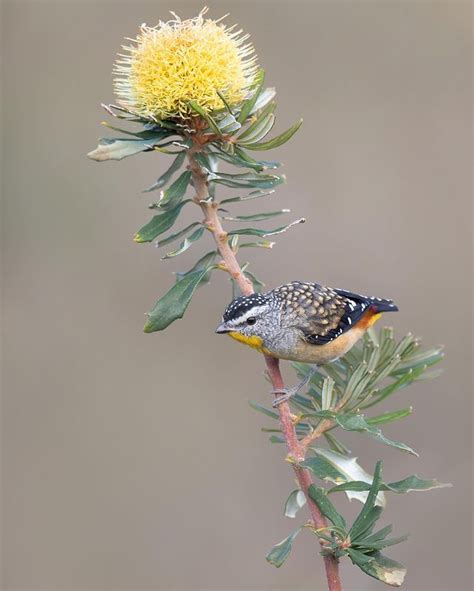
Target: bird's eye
(251, 320)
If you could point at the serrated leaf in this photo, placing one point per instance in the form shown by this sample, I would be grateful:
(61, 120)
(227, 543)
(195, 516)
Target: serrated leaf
(384, 569)
(175, 192)
(118, 149)
(174, 303)
(186, 243)
(277, 140)
(294, 503)
(410, 484)
(166, 176)
(256, 217)
(337, 468)
(159, 224)
(264, 233)
(326, 507)
(249, 103)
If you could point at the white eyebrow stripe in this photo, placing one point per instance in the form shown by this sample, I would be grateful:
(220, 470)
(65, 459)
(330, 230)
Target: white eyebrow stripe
(255, 311)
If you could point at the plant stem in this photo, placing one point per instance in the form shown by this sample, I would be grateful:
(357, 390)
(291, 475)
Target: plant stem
(296, 451)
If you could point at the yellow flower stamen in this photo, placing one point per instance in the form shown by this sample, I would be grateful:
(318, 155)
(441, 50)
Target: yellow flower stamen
(184, 60)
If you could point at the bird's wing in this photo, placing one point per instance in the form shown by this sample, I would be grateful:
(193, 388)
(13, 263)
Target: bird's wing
(323, 314)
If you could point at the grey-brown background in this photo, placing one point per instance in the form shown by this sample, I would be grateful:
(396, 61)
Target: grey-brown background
(133, 461)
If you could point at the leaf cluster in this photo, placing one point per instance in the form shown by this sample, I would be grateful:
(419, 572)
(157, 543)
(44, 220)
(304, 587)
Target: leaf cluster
(334, 400)
(222, 137)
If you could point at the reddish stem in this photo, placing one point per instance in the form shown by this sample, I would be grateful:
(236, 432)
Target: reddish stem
(296, 451)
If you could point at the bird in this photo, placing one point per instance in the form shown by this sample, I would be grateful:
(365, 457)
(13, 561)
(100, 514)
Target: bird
(304, 322)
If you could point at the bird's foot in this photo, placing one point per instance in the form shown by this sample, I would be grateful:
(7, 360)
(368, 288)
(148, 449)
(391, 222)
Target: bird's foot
(287, 393)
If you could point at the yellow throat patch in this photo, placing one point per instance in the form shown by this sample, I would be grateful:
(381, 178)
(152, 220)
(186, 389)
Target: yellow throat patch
(254, 342)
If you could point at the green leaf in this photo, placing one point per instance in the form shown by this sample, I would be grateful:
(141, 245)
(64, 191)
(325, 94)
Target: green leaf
(280, 552)
(159, 224)
(256, 217)
(337, 468)
(175, 192)
(174, 303)
(205, 262)
(294, 503)
(409, 484)
(205, 115)
(326, 507)
(166, 176)
(249, 103)
(224, 102)
(263, 99)
(187, 242)
(247, 180)
(172, 237)
(259, 244)
(264, 233)
(366, 515)
(415, 483)
(117, 148)
(228, 124)
(256, 283)
(259, 128)
(382, 568)
(354, 422)
(269, 413)
(278, 140)
(252, 195)
(389, 417)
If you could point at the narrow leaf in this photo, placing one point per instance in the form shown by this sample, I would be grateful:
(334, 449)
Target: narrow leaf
(249, 103)
(389, 417)
(256, 217)
(205, 115)
(118, 149)
(174, 303)
(365, 516)
(159, 224)
(326, 507)
(175, 192)
(166, 176)
(264, 233)
(172, 237)
(187, 242)
(280, 552)
(278, 140)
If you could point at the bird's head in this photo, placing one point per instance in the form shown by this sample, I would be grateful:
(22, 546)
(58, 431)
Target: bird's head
(246, 319)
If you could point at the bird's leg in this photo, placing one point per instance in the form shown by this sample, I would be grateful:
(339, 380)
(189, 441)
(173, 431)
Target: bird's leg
(287, 393)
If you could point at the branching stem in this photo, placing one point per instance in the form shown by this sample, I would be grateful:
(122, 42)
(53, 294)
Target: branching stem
(296, 449)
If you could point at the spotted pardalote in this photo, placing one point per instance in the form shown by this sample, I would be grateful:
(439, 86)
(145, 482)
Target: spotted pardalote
(304, 322)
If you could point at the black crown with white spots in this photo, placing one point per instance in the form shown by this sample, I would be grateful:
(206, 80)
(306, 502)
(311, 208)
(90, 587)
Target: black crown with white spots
(243, 304)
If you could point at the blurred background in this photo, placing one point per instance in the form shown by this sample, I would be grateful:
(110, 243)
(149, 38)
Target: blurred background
(133, 461)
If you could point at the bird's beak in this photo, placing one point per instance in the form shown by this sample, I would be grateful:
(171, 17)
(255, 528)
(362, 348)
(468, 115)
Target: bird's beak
(222, 328)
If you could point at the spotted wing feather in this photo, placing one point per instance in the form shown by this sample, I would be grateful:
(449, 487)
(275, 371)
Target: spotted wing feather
(323, 314)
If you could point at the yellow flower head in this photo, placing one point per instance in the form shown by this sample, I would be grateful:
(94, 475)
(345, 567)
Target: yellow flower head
(180, 61)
